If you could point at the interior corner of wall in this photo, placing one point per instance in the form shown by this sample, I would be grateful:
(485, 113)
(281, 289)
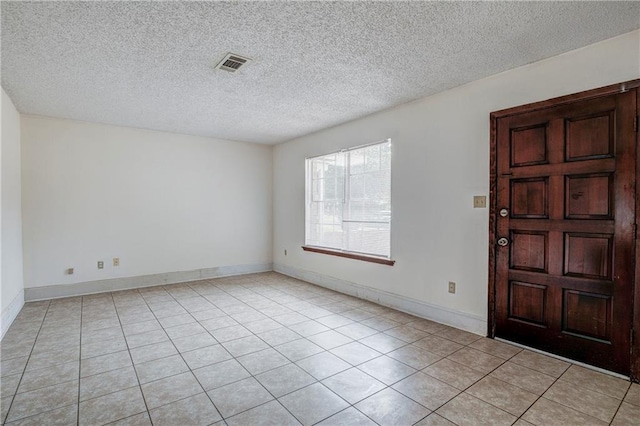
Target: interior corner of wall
(11, 312)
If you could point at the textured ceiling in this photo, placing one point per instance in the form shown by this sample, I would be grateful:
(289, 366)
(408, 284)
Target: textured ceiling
(315, 64)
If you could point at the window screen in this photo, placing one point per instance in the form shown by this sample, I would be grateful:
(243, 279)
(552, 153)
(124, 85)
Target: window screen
(349, 200)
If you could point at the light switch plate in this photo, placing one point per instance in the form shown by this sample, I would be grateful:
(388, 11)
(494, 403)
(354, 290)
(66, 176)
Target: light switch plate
(479, 201)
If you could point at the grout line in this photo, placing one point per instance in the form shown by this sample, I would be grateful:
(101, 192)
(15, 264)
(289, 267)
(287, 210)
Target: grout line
(131, 358)
(617, 409)
(181, 357)
(250, 374)
(290, 362)
(315, 379)
(80, 360)
(243, 293)
(24, 369)
(258, 310)
(31, 416)
(540, 397)
(112, 392)
(461, 391)
(567, 406)
(622, 401)
(567, 360)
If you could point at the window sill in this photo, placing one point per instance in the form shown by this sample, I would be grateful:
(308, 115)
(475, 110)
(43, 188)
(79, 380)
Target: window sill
(350, 255)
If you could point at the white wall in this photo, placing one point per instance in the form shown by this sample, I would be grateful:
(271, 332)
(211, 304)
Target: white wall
(440, 160)
(11, 286)
(161, 202)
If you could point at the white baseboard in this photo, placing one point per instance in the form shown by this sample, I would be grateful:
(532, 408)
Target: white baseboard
(11, 312)
(114, 284)
(462, 320)
(472, 323)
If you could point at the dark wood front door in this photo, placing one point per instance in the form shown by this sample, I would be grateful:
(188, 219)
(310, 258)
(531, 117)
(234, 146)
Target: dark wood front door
(565, 228)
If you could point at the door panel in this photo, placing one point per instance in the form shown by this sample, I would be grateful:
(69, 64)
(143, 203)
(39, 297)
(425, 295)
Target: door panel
(589, 196)
(590, 137)
(529, 198)
(527, 302)
(529, 146)
(564, 282)
(529, 250)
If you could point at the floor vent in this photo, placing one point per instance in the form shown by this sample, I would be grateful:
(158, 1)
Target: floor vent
(232, 62)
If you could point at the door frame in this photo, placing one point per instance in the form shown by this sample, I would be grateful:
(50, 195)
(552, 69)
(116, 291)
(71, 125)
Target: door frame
(493, 205)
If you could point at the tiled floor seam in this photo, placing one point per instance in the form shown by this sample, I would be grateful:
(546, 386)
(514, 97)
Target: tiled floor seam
(13, 397)
(541, 396)
(132, 365)
(41, 413)
(129, 417)
(250, 375)
(417, 402)
(244, 299)
(352, 366)
(108, 393)
(487, 375)
(602, 393)
(471, 385)
(80, 360)
(620, 405)
(564, 405)
(46, 386)
(181, 357)
(295, 390)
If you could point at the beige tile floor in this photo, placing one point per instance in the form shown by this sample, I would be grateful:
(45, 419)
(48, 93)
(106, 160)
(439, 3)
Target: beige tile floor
(269, 349)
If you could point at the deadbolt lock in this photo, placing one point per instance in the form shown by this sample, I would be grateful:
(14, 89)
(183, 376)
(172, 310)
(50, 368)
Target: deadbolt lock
(504, 212)
(502, 242)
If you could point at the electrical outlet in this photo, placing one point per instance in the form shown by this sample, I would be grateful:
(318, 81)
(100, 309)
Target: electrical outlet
(100, 264)
(452, 287)
(69, 271)
(116, 261)
(479, 201)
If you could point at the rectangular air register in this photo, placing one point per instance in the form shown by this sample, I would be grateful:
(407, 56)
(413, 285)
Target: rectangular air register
(232, 62)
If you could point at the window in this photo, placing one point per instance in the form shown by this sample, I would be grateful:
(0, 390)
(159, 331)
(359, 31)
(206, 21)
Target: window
(348, 196)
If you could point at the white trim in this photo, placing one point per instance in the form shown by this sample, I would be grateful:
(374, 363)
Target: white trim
(380, 142)
(472, 323)
(127, 283)
(561, 358)
(11, 312)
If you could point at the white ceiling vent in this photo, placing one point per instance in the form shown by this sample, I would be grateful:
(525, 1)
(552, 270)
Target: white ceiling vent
(232, 62)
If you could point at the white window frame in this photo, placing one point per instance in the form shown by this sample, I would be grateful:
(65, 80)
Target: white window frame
(341, 251)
